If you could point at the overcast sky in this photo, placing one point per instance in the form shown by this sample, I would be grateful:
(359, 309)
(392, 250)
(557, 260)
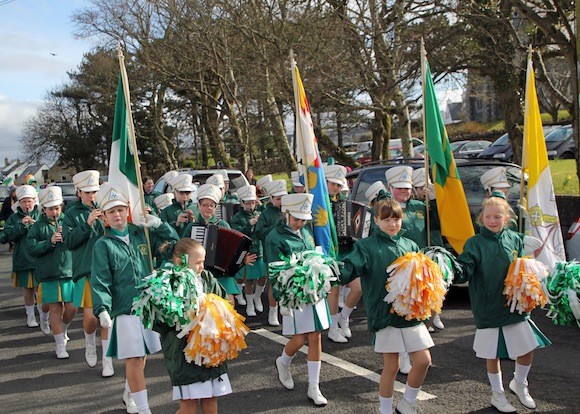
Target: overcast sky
(37, 48)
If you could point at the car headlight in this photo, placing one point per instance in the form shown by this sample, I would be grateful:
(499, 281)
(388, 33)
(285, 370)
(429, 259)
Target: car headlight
(552, 153)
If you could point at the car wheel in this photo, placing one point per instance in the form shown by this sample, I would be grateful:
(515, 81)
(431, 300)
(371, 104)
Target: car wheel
(567, 156)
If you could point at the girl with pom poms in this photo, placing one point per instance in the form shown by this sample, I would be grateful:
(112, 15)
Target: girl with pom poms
(393, 333)
(304, 324)
(500, 333)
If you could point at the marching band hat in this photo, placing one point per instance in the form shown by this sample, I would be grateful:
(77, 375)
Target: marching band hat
(50, 196)
(182, 182)
(298, 205)
(164, 200)
(419, 177)
(247, 193)
(495, 178)
(25, 191)
(400, 177)
(276, 188)
(224, 174)
(87, 181)
(335, 173)
(295, 178)
(217, 179)
(209, 191)
(110, 196)
(264, 180)
(374, 189)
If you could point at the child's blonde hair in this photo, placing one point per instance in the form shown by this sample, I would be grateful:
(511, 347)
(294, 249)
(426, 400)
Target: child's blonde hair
(388, 208)
(185, 246)
(494, 201)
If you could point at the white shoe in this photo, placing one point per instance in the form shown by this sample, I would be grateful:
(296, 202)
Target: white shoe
(404, 363)
(250, 310)
(273, 317)
(335, 335)
(431, 329)
(284, 374)
(521, 390)
(240, 299)
(108, 369)
(129, 402)
(61, 351)
(405, 407)
(31, 321)
(258, 303)
(91, 355)
(344, 325)
(45, 326)
(499, 401)
(315, 395)
(146, 411)
(437, 322)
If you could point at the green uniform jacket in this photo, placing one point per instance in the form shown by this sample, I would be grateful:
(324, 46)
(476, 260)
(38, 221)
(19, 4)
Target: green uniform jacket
(281, 242)
(180, 371)
(79, 238)
(369, 260)
(267, 221)
(52, 261)
(15, 231)
(241, 222)
(170, 213)
(200, 221)
(118, 268)
(486, 258)
(149, 197)
(414, 222)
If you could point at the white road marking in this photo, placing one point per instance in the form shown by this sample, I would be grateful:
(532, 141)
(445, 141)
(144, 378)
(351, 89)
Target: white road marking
(337, 362)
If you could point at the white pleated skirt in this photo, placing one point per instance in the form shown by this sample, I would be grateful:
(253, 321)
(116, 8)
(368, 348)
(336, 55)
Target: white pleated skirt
(519, 340)
(207, 389)
(394, 340)
(130, 339)
(310, 318)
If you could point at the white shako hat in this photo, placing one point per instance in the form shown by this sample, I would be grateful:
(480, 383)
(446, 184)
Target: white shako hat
(335, 173)
(264, 180)
(110, 196)
(276, 188)
(25, 191)
(182, 182)
(419, 177)
(247, 193)
(217, 179)
(400, 177)
(50, 196)
(374, 189)
(168, 176)
(224, 174)
(298, 205)
(87, 181)
(295, 179)
(495, 178)
(209, 191)
(164, 200)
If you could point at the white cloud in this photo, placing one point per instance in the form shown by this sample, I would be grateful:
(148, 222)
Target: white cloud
(13, 115)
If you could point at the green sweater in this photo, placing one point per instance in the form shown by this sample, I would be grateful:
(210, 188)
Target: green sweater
(119, 267)
(241, 222)
(369, 260)
(15, 231)
(486, 258)
(180, 371)
(79, 238)
(53, 261)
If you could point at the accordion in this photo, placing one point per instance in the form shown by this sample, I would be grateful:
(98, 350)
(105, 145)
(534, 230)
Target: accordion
(225, 248)
(225, 211)
(352, 219)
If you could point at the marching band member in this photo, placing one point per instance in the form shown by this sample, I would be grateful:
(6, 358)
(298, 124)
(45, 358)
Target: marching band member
(183, 209)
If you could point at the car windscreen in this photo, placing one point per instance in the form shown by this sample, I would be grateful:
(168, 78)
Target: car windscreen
(503, 140)
(560, 134)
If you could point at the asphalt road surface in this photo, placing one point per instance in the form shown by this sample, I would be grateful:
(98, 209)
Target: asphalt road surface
(33, 380)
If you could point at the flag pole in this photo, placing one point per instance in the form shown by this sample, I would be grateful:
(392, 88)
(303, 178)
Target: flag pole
(522, 181)
(298, 125)
(427, 203)
(133, 143)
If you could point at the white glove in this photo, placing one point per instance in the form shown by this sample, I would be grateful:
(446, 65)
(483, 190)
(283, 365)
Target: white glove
(531, 244)
(105, 320)
(151, 221)
(431, 191)
(284, 311)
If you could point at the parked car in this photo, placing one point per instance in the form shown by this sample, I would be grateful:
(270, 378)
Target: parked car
(501, 148)
(573, 241)
(560, 143)
(395, 151)
(237, 178)
(467, 149)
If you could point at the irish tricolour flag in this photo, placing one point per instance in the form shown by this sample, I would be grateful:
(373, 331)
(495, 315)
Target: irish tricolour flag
(543, 221)
(124, 159)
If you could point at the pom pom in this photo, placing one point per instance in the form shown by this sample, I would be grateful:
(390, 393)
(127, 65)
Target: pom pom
(522, 285)
(215, 334)
(446, 261)
(562, 287)
(303, 278)
(415, 286)
(166, 296)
